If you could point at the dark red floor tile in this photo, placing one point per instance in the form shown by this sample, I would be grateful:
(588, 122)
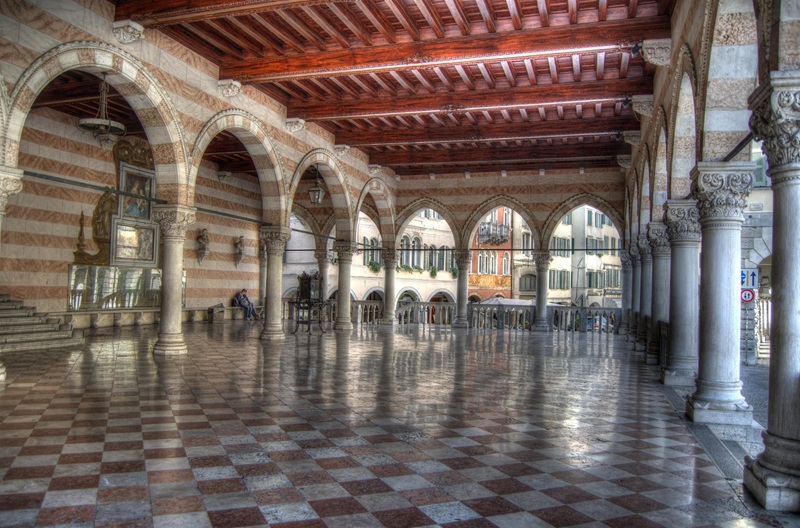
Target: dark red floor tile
(404, 518)
(569, 494)
(490, 506)
(365, 487)
(122, 494)
(66, 515)
(77, 482)
(637, 503)
(561, 516)
(336, 507)
(21, 501)
(236, 517)
(210, 487)
(277, 496)
(174, 505)
(505, 486)
(29, 472)
(125, 466)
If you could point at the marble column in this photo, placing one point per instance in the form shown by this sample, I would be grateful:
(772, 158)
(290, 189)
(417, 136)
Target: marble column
(645, 292)
(683, 228)
(774, 476)
(543, 259)
(720, 189)
(463, 259)
(626, 283)
(262, 270)
(659, 306)
(274, 239)
(389, 257)
(10, 184)
(636, 281)
(174, 220)
(345, 251)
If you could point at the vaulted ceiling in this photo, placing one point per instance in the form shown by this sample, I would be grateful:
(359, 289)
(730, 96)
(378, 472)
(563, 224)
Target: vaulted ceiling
(427, 86)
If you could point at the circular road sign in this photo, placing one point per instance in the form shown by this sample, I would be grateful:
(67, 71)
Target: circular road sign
(748, 295)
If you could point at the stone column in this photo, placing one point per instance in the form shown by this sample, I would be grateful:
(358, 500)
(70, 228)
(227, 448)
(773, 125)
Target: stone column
(683, 228)
(720, 189)
(389, 257)
(627, 280)
(636, 281)
(274, 239)
(543, 260)
(10, 184)
(774, 476)
(463, 259)
(262, 270)
(323, 264)
(174, 220)
(645, 292)
(659, 307)
(345, 251)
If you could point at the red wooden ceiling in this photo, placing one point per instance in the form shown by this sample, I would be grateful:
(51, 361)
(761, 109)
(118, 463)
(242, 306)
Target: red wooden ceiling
(430, 86)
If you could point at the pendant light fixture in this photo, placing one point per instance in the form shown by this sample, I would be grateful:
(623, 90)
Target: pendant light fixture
(104, 129)
(316, 193)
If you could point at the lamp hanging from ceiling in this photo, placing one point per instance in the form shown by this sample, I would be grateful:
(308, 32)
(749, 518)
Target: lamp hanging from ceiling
(316, 193)
(104, 129)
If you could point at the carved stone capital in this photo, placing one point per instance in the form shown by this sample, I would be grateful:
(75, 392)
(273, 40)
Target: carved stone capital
(542, 258)
(127, 31)
(345, 250)
(10, 184)
(683, 220)
(229, 87)
(657, 52)
(643, 105)
(295, 124)
(632, 137)
(341, 150)
(625, 259)
(321, 256)
(274, 238)
(633, 253)
(174, 220)
(389, 257)
(659, 241)
(463, 257)
(776, 119)
(374, 169)
(644, 247)
(625, 162)
(721, 188)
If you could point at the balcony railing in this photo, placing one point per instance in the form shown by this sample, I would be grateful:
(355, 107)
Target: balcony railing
(493, 234)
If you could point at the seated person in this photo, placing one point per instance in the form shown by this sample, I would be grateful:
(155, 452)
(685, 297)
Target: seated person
(244, 301)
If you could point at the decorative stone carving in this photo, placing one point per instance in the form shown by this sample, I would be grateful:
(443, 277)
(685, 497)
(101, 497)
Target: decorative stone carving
(274, 238)
(295, 124)
(173, 219)
(127, 31)
(643, 105)
(633, 252)
(456, 109)
(321, 255)
(776, 119)
(625, 162)
(10, 184)
(657, 235)
(341, 150)
(389, 257)
(683, 220)
(625, 259)
(345, 250)
(374, 169)
(229, 87)
(644, 247)
(238, 250)
(657, 52)
(722, 194)
(203, 243)
(542, 258)
(463, 257)
(632, 137)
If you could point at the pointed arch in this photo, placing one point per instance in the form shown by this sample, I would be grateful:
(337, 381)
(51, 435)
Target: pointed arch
(335, 179)
(568, 205)
(659, 175)
(263, 150)
(141, 89)
(471, 225)
(384, 201)
(409, 211)
(644, 189)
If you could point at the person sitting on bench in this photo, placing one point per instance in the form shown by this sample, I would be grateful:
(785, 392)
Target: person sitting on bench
(243, 300)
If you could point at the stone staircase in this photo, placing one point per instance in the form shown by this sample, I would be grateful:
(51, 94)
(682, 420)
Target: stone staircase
(21, 328)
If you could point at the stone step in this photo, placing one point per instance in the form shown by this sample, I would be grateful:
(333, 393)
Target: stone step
(63, 331)
(10, 305)
(24, 311)
(27, 326)
(43, 344)
(29, 319)
(5, 297)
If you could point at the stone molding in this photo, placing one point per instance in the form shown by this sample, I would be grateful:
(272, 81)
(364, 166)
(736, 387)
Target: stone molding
(389, 257)
(643, 105)
(683, 220)
(626, 162)
(127, 31)
(776, 118)
(374, 169)
(632, 137)
(345, 250)
(543, 259)
(625, 260)
(341, 150)
(295, 124)
(659, 241)
(721, 188)
(229, 87)
(644, 247)
(321, 256)
(657, 52)
(633, 253)
(463, 257)
(10, 184)
(174, 220)
(274, 238)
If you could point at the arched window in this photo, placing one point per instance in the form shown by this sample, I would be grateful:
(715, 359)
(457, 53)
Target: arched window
(405, 251)
(481, 267)
(434, 257)
(426, 257)
(416, 252)
(367, 254)
(493, 262)
(442, 258)
(527, 245)
(507, 216)
(376, 252)
(506, 264)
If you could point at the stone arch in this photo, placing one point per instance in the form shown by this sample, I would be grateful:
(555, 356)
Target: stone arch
(374, 289)
(643, 197)
(732, 75)
(262, 148)
(335, 179)
(407, 214)
(443, 291)
(493, 203)
(408, 289)
(382, 195)
(568, 205)
(659, 175)
(372, 214)
(682, 134)
(4, 103)
(635, 205)
(143, 92)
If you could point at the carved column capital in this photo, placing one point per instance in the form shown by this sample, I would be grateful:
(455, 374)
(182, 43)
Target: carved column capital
(644, 247)
(174, 220)
(776, 119)
(625, 259)
(632, 137)
(341, 150)
(389, 257)
(274, 238)
(659, 241)
(643, 105)
(229, 87)
(10, 184)
(657, 52)
(295, 124)
(463, 257)
(633, 253)
(127, 31)
(683, 220)
(542, 258)
(345, 250)
(321, 255)
(721, 188)
(625, 162)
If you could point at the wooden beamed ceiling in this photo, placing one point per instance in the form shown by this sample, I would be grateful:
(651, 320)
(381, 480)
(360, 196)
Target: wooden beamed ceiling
(424, 86)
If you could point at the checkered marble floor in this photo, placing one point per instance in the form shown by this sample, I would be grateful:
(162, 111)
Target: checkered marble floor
(416, 427)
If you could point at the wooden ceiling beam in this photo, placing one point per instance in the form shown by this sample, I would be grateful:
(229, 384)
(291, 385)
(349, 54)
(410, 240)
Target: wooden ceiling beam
(572, 9)
(544, 15)
(263, 39)
(448, 83)
(214, 40)
(431, 17)
(317, 16)
(519, 97)
(457, 12)
(600, 69)
(349, 19)
(400, 12)
(602, 10)
(282, 35)
(377, 19)
(519, 45)
(515, 11)
(476, 167)
(300, 26)
(488, 16)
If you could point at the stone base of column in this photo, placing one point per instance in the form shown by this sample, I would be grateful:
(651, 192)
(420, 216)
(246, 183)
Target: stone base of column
(724, 414)
(677, 377)
(459, 322)
(540, 325)
(272, 331)
(774, 477)
(170, 344)
(652, 351)
(388, 321)
(343, 325)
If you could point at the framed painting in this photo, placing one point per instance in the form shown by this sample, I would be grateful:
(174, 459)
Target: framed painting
(134, 243)
(136, 191)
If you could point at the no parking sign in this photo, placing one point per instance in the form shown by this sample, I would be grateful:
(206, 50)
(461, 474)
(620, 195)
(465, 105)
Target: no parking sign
(748, 295)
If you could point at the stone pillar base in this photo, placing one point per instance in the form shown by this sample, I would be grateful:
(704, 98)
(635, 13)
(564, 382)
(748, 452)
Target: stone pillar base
(772, 489)
(460, 323)
(170, 344)
(392, 321)
(540, 325)
(272, 331)
(707, 413)
(652, 351)
(343, 325)
(673, 378)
